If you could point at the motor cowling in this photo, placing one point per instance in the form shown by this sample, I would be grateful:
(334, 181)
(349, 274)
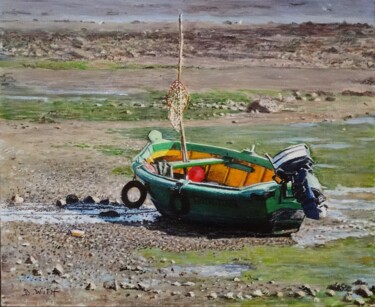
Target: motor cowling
(294, 164)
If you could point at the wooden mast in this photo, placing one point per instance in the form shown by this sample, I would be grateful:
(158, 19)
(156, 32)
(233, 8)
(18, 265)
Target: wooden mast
(182, 130)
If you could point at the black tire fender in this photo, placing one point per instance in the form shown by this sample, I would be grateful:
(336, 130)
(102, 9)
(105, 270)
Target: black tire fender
(125, 194)
(185, 204)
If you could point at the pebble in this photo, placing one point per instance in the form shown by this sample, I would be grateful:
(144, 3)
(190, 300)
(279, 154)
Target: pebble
(30, 260)
(248, 297)
(348, 298)
(71, 199)
(143, 286)
(190, 294)
(89, 200)
(112, 284)
(25, 244)
(331, 293)
(19, 262)
(363, 291)
(176, 283)
(279, 294)
(17, 199)
(257, 293)
(299, 294)
(212, 295)
(37, 272)
(229, 296)
(236, 279)
(188, 284)
(60, 203)
(359, 302)
(126, 285)
(90, 286)
(174, 293)
(58, 270)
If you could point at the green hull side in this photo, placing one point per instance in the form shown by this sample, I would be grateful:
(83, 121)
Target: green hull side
(253, 207)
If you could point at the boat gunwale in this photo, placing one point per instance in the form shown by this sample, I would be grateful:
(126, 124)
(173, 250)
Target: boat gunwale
(185, 182)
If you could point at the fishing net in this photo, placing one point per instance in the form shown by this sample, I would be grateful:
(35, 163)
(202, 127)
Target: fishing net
(177, 101)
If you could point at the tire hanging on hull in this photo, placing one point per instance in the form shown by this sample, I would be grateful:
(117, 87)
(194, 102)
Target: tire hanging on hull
(134, 184)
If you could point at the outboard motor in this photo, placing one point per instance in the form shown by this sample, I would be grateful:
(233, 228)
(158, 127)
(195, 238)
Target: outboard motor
(294, 164)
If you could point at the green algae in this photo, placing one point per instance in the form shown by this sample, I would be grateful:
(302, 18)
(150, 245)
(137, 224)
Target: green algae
(337, 261)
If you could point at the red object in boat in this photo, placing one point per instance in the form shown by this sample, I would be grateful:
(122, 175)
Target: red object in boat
(196, 174)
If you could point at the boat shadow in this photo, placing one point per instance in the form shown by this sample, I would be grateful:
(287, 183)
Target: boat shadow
(151, 219)
(182, 228)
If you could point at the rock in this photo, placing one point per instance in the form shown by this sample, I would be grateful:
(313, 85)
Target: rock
(176, 283)
(174, 293)
(264, 105)
(271, 282)
(90, 286)
(163, 260)
(77, 42)
(19, 262)
(248, 297)
(348, 297)
(363, 291)
(257, 293)
(89, 200)
(37, 272)
(143, 286)
(109, 213)
(188, 284)
(316, 300)
(359, 302)
(308, 290)
(330, 98)
(212, 295)
(25, 244)
(58, 270)
(72, 199)
(17, 199)
(60, 203)
(126, 285)
(339, 287)
(30, 260)
(229, 296)
(111, 284)
(279, 294)
(77, 233)
(236, 279)
(359, 281)
(104, 202)
(331, 293)
(299, 294)
(190, 294)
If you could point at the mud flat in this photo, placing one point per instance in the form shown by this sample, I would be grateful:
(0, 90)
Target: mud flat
(77, 100)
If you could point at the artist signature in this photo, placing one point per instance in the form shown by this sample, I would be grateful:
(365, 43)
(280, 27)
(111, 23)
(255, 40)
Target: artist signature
(40, 291)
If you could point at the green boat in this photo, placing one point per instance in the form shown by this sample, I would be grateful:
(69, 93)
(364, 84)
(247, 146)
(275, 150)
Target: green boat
(214, 185)
(226, 187)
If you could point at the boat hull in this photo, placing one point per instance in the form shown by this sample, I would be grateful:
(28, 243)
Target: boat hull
(262, 207)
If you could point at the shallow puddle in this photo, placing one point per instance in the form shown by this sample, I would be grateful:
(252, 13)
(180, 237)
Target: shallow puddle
(81, 213)
(223, 270)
